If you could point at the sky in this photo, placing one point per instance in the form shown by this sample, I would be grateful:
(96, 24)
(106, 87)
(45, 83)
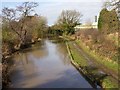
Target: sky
(51, 9)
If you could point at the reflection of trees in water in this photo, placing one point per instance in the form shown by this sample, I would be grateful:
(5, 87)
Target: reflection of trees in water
(40, 53)
(23, 58)
(27, 58)
(26, 63)
(39, 50)
(55, 39)
(36, 46)
(61, 48)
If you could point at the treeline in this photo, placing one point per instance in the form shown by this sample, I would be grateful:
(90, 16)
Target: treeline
(66, 22)
(20, 28)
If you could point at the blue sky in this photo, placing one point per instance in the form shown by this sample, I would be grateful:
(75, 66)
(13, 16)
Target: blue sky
(51, 9)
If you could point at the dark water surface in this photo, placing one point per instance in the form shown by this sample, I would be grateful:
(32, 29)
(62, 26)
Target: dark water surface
(46, 65)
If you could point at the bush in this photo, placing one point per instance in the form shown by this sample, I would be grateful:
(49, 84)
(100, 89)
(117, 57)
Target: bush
(96, 41)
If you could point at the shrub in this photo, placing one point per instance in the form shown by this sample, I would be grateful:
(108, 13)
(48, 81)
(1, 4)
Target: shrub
(108, 21)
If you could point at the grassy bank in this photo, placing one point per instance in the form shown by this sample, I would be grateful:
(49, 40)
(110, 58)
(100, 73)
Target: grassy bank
(107, 82)
(79, 59)
(109, 64)
(92, 73)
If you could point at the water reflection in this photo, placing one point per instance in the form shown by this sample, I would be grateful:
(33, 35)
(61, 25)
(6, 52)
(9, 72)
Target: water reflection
(63, 53)
(46, 67)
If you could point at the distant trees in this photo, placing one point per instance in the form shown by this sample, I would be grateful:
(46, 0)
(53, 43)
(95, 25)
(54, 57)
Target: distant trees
(67, 20)
(108, 21)
(55, 30)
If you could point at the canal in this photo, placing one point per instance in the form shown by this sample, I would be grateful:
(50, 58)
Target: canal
(46, 65)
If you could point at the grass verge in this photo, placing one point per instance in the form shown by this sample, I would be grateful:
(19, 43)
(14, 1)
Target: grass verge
(107, 82)
(109, 64)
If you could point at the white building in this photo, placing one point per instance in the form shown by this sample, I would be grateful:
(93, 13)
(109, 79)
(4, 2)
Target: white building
(85, 26)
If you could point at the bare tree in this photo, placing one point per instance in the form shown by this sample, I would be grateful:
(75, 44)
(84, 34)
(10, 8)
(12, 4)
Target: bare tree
(68, 19)
(106, 4)
(20, 26)
(115, 3)
(112, 4)
(8, 13)
(26, 8)
(8, 17)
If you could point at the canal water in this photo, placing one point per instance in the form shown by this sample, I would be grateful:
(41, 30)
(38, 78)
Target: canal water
(46, 65)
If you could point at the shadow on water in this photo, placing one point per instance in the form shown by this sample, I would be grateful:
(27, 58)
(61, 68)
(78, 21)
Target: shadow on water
(95, 75)
(32, 47)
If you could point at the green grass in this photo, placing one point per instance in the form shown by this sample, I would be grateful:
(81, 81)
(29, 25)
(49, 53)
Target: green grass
(109, 82)
(111, 65)
(79, 59)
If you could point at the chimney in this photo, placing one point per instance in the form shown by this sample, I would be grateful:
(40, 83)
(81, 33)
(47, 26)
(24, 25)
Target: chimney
(95, 18)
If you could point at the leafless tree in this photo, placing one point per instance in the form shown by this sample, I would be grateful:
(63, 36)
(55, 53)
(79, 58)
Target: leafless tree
(26, 8)
(112, 4)
(8, 17)
(116, 4)
(20, 26)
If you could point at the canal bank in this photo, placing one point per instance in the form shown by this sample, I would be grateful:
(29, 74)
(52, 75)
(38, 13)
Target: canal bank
(89, 68)
(7, 61)
(80, 68)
